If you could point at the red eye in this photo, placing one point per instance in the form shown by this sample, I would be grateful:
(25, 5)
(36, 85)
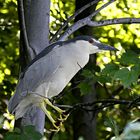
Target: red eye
(91, 41)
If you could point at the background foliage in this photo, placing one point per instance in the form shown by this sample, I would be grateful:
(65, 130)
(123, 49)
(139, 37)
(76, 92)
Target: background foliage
(116, 74)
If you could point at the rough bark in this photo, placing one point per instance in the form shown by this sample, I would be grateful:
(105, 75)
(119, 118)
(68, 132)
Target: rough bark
(84, 123)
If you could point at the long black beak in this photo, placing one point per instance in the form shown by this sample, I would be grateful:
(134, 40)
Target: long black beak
(102, 46)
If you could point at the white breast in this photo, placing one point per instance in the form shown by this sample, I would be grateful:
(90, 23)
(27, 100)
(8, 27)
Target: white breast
(72, 60)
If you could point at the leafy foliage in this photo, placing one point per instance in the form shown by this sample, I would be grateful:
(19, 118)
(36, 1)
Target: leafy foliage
(28, 133)
(8, 58)
(117, 74)
(127, 70)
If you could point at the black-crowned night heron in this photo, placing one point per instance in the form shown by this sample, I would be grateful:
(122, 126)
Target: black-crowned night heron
(48, 74)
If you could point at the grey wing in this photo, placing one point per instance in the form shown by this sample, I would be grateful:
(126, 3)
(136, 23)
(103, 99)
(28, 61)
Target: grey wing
(36, 74)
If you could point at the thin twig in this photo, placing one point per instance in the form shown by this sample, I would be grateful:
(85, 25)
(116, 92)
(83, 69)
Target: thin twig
(82, 22)
(98, 10)
(134, 102)
(95, 109)
(72, 17)
(97, 105)
(113, 21)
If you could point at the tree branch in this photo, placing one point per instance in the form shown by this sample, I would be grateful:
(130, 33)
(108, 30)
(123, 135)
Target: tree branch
(135, 101)
(88, 21)
(113, 21)
(98, 10)
(98, 105)
(82, 22)
(72, 17)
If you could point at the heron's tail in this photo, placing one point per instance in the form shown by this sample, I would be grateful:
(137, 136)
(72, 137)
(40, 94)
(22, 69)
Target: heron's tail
(13, 102)
(21, 107)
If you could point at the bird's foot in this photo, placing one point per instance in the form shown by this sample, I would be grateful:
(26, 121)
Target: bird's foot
(48, 102)
(57, 126)
(63, 116)
(56, 123)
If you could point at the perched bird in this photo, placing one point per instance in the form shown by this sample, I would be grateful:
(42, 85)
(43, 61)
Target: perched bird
(49, 73)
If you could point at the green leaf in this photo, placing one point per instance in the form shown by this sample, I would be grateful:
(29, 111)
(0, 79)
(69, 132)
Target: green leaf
(30, 132)
(126, 76)
(103, 79)
(11, 136)
(136, 69)
(129, 58)
(110, 69)
(85, 88)
(87, 73)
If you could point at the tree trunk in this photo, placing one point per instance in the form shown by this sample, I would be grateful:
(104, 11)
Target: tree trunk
(37, 13)
(84, 123)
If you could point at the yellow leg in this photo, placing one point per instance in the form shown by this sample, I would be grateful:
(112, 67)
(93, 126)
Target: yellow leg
(63, 117)
(56, 123)
(54, 107)
(57, 128)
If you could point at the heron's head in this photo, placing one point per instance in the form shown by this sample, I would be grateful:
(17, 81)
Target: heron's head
(93, 44)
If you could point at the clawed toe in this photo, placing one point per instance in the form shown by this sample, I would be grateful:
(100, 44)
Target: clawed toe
(57, 126)
(56, 123)
(63, 117)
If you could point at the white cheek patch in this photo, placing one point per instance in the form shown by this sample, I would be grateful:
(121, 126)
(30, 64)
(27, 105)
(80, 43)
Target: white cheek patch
(94, 49)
